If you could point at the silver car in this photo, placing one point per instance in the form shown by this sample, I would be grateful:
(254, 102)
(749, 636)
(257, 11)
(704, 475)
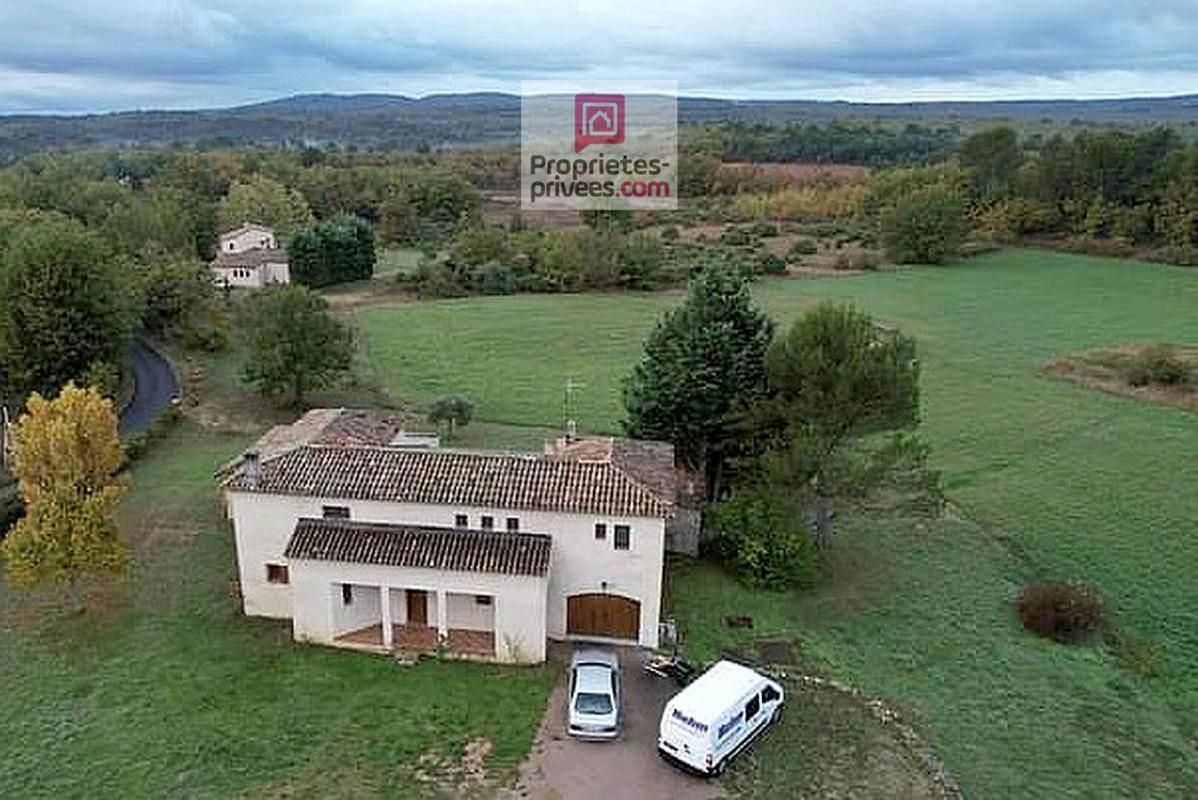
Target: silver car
(594, 700)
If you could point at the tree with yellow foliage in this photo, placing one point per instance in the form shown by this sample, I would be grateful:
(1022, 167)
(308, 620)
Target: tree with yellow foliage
(67, 455)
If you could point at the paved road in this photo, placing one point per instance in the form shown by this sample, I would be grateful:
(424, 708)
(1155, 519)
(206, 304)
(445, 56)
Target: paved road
(563, 768)
(154, 386)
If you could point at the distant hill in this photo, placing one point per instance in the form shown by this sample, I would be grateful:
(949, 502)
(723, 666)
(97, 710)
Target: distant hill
(455, 120)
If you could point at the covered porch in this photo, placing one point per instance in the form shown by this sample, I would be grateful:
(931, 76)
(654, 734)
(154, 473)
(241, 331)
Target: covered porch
(384, 587)
(422, 639)
(415, 620)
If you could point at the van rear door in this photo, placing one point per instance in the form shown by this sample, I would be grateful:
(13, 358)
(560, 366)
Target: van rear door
(685, 738)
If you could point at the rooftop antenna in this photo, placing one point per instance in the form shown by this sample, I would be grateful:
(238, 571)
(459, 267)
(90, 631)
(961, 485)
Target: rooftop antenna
(571, 425)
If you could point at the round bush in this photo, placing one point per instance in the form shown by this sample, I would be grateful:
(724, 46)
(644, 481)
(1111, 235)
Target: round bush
(1064, 611)
(1158, 365)
(803, 247)
(770, 264)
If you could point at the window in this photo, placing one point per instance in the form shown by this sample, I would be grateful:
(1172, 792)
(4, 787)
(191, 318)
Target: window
(769, 694)
(334, 512)
(623, 538)
(461, 521)
(513, 524)
(487, 523)
(600, 530)
(347, 593)
(752, 707)
(483, 599)
(277, 573)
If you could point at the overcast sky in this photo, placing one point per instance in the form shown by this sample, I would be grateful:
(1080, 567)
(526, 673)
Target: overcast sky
(87, 55)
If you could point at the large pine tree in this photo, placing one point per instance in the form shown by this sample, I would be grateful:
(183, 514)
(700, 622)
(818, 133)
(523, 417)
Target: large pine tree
(703, 366)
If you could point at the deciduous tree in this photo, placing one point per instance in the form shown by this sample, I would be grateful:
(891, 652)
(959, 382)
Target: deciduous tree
(265, 202)
(67, 456)
(295, 344)
(66, 305)
(924, 227)
(452, 410)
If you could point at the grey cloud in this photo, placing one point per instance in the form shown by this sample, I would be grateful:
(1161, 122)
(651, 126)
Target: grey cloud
(87, 54)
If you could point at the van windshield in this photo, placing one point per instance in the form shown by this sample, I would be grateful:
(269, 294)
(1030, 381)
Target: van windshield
(592, 703)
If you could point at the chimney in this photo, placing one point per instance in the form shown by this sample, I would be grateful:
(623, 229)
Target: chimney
(253, 468)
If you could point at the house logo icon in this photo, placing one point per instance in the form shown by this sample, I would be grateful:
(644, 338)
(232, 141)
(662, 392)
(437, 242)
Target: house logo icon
(598, 119)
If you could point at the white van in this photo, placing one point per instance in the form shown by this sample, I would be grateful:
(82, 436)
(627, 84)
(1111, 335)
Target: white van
(717, 716)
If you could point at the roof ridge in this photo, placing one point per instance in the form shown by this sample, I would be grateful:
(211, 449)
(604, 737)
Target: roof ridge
(439, 477)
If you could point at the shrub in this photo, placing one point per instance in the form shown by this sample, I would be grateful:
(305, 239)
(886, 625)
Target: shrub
(670, 233)
(494, 278)
(759, 535)
(736, 237)
(1064, 611)
(138, 444)
(765, 230)
(802, 246)
(770, 264)
(640, 260)
(1183, 255)
(924, 227)
(1158, 365)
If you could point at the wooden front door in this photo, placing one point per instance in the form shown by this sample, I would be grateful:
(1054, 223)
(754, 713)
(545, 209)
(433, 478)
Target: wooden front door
(606, 615)
(417, 607)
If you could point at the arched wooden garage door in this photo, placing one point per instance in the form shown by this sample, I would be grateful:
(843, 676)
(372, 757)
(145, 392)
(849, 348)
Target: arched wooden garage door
(607, 615)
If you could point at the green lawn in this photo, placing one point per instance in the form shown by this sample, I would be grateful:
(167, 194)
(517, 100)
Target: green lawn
(1060, 480)
(513, 355)
(164, 689)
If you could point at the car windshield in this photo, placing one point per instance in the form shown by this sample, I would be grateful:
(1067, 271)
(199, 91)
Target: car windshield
(592, 703)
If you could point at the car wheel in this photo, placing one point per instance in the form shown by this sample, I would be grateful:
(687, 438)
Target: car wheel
(721, 767)
(777, 717)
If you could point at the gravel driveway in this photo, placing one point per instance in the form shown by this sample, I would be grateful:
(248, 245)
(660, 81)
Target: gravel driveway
(629, 767)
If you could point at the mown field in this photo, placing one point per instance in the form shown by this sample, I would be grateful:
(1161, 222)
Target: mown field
(165, 690)
(1054, 479)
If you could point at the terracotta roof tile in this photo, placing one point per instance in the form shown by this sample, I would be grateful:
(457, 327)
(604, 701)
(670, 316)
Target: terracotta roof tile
(419, 546)
(443, 477)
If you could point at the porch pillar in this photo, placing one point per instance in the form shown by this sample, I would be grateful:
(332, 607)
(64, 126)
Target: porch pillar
(442, 615)
(385, 608)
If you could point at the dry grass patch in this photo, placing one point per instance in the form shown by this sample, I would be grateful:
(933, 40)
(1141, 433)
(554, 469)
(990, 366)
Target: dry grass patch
(1115, 371)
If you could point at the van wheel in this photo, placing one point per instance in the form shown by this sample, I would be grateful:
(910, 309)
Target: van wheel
(721, 767)
(777, 716)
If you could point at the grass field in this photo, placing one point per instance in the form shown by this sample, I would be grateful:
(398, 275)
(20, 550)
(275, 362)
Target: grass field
(1058, 480)
(165, 690)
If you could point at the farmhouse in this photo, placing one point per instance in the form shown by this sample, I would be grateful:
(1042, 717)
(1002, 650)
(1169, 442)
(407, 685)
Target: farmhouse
(369, 537)
(249, 257)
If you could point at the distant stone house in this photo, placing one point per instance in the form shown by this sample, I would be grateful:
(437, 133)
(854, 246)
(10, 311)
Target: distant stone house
(249, 257)
(366, 536)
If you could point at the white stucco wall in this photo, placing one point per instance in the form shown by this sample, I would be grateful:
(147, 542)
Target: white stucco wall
(518, 607)
(239, 277)
(363, 611)
(252, 277)
(578, 562)
(276, 272)
(247, 240)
